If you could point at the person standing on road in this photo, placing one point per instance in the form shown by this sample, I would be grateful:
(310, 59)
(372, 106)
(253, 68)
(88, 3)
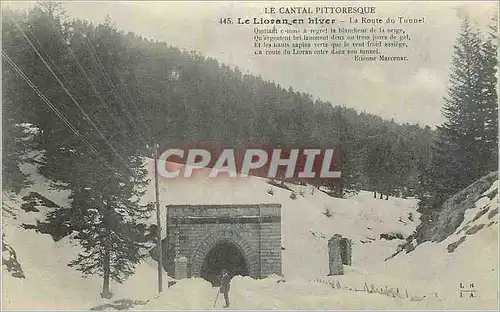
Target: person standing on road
(225, 282)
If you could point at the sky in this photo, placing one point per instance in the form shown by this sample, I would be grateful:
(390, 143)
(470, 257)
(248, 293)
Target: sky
(410, 91)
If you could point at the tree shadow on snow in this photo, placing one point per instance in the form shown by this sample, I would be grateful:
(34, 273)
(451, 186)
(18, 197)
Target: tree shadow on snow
(122, 304)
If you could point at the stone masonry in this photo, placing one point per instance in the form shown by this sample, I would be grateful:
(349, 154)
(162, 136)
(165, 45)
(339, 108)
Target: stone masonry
(339, 254)
(193, 230)
(346, 253)
(334, 255)
(180, 269)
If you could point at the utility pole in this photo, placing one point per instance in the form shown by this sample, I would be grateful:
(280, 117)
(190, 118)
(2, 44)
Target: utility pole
(158, 222)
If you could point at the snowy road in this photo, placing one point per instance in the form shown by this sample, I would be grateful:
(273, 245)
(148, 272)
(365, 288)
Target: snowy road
(267, 294)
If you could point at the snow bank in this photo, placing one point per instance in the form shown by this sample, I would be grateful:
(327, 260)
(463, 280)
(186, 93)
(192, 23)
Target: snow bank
(305, 228)
(276, 294)
(429, 270)
(49, 282)
(192, 294)
(436, 268)
(453, 210)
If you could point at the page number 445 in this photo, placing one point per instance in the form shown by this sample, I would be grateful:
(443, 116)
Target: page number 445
(225, 20)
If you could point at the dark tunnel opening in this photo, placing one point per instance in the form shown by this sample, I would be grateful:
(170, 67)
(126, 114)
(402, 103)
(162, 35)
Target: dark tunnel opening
(224, 255)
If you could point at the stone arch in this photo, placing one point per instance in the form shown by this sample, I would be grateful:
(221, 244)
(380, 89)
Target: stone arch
(226, 235)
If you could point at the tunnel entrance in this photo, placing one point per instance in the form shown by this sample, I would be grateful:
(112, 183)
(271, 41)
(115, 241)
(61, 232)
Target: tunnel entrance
(223, 255)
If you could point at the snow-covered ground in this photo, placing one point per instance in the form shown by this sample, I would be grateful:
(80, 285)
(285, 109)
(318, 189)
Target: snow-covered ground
(50, 283)
(266, 294)
(305, 228)
(430, 270)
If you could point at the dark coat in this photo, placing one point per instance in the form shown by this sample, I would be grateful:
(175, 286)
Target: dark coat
(225, 283)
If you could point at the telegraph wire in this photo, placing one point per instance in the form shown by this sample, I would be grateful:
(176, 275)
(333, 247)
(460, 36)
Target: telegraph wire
(148, 129)
(53, 64)
(71, 96)
(92, 85)
(87, 76)
(66, 80)
(58, 113)
(98, 61)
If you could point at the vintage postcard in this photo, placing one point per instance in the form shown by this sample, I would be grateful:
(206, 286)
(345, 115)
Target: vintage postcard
(246, 155)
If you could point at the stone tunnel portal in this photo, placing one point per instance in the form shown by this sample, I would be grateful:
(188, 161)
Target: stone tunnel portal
(224, 255)
(245, 239)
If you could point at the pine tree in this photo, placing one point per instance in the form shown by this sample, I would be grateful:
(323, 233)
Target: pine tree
(462, 150)
(105, 207)
(23, 113)
(349, 157)
(488, 112)
(110, 223)
(156, 91)
(17, 140)
(456, 149)
(105, 189)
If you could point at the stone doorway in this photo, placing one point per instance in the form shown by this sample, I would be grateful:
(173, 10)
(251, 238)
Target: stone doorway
(223, 255)
(208, 235)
